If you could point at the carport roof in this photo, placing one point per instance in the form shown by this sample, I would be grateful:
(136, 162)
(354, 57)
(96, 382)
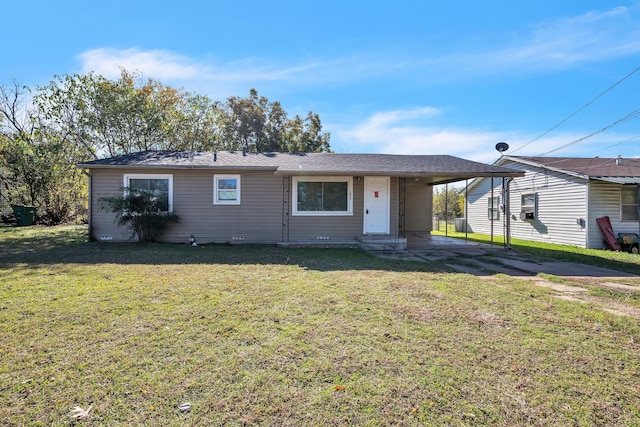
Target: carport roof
(436, 169)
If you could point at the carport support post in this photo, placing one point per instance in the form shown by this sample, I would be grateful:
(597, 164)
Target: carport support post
(446, 210)
(507, 213)
(491, 211)
(466, 209)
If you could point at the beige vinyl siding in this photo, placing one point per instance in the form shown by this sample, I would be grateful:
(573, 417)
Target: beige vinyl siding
(105, 183)
(329, 228)
(261, 217)
(394, 226)
(341, 228)
(418, 202)
(258, 219)
(605, 201)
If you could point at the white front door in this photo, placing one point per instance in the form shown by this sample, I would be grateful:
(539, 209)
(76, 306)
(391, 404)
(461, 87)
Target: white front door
(376, 204)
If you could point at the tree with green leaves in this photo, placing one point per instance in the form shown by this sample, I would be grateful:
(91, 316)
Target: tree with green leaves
(37, 166)
(448, 202)
(76, 118)
(257, 125)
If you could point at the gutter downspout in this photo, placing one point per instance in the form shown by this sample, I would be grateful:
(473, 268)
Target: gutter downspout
(588, 213)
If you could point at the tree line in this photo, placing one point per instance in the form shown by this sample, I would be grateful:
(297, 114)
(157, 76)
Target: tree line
(448, 202)
(46, 131)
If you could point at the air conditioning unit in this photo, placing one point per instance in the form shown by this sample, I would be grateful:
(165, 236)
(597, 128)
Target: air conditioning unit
(527, 213)
(527, 216)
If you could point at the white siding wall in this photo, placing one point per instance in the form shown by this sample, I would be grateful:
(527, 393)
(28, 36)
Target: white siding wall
(561, 202)
(605, 201)
(478, 204)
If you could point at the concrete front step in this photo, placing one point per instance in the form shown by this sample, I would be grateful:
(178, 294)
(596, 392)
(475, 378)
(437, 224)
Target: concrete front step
(368, 243)
(386, 244)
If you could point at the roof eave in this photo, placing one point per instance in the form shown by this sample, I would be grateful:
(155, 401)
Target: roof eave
(543, 166)
(407, 174)
(181, 167)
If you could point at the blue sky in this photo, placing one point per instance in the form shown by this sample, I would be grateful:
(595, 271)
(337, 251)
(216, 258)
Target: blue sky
(421, 77)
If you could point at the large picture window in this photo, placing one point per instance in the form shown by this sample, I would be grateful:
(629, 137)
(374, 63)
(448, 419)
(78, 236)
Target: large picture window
(322, 196)
(629, 203)
(226, 189)
(160, 186)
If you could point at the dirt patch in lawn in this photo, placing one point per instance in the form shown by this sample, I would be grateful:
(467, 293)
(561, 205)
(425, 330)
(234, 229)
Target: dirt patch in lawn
(598, 287)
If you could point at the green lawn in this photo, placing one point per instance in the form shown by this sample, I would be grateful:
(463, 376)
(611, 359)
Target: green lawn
(258, 335)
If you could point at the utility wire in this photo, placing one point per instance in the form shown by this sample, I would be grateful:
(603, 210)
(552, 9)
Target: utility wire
(577, 111)
(632, 115)
(621, 142)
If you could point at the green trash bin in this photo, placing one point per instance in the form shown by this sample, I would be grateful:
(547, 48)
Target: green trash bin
(25, 215)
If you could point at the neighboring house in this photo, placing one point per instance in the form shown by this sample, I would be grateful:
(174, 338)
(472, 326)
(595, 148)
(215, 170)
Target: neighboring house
(286, 199)
(558, 199)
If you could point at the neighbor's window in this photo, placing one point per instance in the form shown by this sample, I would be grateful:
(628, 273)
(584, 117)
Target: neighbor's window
(528, 201)
(494, 208)
(226, 189)
(629, 203)
(322, 196)
(160, 185)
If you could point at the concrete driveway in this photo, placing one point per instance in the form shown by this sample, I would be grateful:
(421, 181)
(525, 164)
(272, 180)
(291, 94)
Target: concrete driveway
(485, 261)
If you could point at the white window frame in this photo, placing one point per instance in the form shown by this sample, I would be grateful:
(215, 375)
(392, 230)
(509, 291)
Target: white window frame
(631, 189)
(169, 177)
(528, 197)
(493, 205)
(294, 192)
(216, 189)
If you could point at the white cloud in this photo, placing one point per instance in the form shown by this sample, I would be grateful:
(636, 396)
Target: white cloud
(546, 46)
(387, 132)
(378, 120)
(204, 75)
(163, 64)
(410, 132)
(157, 63)
(591, 37)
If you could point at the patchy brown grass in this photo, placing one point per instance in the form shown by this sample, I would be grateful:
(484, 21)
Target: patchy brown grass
(267, 336)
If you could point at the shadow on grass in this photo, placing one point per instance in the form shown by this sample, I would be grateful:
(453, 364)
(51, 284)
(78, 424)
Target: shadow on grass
(49, 246)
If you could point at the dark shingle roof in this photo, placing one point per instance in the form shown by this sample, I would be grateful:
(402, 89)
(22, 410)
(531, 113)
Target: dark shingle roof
(440, 168)
(594, 167)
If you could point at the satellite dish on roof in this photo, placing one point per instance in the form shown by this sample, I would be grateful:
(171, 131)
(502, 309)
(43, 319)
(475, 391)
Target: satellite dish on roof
(502, 146)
